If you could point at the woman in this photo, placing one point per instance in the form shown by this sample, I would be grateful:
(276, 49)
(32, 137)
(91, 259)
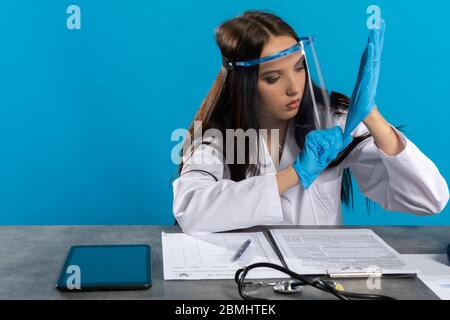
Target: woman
(305, 187)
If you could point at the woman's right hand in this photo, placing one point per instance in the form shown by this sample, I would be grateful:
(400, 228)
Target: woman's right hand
(320, 149)
(364, 92)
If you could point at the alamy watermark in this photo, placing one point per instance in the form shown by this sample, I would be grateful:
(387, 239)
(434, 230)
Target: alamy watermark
(74, 279)
(374, 20)
(235, 144)
(73, 22)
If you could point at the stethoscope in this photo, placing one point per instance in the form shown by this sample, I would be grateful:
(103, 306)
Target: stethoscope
(295, 284)
(285, 286)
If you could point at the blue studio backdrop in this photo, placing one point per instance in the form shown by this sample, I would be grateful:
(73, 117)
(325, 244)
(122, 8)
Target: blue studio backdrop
(86, 115)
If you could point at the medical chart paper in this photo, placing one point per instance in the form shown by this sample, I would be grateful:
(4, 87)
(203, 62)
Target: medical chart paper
(324, 251)
(434, 272)
(209, 256)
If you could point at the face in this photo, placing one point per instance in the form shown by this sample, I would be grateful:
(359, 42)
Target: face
(281, 81)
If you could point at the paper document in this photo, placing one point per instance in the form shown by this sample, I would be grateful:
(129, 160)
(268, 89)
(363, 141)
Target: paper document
(434, 272)
(324, 251)
(209, 256)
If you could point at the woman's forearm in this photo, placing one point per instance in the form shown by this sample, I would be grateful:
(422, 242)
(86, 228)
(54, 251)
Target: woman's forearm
(286, 179)
(384, 135)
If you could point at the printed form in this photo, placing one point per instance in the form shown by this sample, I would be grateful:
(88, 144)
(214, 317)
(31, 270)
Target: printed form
(325, 251)
(209, 256)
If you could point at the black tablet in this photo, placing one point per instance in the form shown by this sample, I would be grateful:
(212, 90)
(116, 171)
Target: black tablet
(106, 267)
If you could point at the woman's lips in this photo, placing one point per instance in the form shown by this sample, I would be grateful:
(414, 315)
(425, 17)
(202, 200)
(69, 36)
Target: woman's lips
(294, 103)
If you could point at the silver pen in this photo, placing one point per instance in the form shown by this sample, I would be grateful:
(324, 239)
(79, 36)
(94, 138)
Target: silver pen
(241, 250)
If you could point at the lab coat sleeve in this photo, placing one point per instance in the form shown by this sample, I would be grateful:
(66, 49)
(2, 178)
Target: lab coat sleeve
(408, 182)
(203, 205)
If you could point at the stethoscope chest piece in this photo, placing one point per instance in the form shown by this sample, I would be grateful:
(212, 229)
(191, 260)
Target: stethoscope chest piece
(288, 287)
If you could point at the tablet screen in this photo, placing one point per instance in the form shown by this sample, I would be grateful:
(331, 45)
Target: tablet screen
(106, 267)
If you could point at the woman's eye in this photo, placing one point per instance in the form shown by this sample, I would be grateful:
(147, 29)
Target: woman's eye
(272, 80)
(299, 69)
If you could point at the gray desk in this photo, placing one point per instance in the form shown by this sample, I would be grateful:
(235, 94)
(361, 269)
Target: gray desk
(31, 258)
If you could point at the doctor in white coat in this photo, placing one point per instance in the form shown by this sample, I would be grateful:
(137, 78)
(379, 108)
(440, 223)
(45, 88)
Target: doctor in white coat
(268, 90)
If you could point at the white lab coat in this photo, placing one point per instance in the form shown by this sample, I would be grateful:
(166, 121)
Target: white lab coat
(408, 182)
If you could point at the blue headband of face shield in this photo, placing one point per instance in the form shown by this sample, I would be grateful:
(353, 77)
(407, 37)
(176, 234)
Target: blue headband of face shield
(231, 65)
(319, 110)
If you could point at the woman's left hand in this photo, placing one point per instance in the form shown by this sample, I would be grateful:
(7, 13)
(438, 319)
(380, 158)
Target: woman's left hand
(363, 96)
(320, 149)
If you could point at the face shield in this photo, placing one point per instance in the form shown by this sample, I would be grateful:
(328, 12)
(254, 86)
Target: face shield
(318, 100)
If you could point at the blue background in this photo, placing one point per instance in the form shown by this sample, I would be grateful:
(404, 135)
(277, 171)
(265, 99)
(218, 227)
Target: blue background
(86, 115)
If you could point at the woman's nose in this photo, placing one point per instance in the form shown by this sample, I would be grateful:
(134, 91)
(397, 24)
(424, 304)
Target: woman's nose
(292, 91)
(293, 87)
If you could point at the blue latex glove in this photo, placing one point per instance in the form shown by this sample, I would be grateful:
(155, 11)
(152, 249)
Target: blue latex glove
(320, 149)
(363, 96)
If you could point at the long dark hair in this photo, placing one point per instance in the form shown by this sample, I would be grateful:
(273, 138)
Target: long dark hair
(232, 100)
